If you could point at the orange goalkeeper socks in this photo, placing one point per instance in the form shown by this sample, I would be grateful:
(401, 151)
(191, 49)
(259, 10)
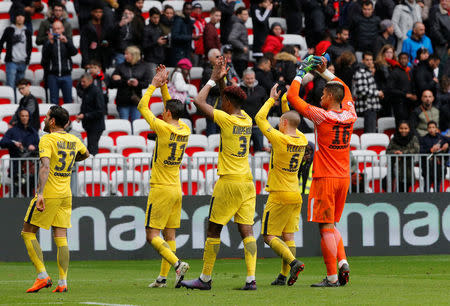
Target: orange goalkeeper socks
(329, 250)
(340, 246)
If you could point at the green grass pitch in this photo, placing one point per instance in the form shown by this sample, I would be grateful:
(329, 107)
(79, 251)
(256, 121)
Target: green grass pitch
(402, 280)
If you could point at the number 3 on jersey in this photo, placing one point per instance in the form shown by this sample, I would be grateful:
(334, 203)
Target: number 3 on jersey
(62, 160)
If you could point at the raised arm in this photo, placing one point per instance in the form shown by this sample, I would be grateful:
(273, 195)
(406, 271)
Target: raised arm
(217, 75)
(261, 116)
(164, 90)
(284, 104)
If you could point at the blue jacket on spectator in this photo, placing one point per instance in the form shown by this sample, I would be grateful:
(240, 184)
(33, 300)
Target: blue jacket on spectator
(26, 135)
(411, 46)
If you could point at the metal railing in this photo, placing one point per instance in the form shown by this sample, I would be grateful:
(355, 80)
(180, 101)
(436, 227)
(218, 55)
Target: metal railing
(115, 175)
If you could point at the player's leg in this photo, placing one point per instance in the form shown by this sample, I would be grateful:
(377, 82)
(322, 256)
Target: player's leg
(161, 280)
(344, 268)
(60, 237)
(288, 238)
(250, 253)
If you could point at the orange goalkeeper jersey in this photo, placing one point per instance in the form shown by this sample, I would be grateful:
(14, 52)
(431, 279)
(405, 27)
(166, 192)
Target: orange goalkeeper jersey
(332, 129)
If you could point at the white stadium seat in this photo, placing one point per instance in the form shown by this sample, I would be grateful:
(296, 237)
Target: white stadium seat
(279, 20)
(128, 144)
(310, 137)
(177, 5)
(105, 145)
(149, 4)
(214, 142)
(7, 111)
(194, 180)
(157, 108)
(200, 125)
(374, 141)
(6, 95)
(385, 123)
(196, 143)
(187, 122)
(112, 112)
(93, 183)
(117, 127)
(126, 184)
(355, 143)
(139, 161)
(141, 127)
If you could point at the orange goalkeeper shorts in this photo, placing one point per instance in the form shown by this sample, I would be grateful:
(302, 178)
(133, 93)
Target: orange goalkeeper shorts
(327, 199)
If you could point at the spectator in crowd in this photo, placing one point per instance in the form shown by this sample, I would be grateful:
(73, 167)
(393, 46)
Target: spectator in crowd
(405, 15)
(57, 12)
(384, 9)
(305, 170)
(403, 142)
(366, 94)
(84, 9)
(340, 44)
(433, 166)
(443, 92)
(198, 29)
(386, 36)
(443, 99)
(239, 40)
(21, 141)
(232, 76)
(154, 42)
(260, 17)
(424, 113)
(422, 54)
(95, 69)
(385, 58)
(27, 8)
(440, 26)
(364, 28)
(96, 39)
(317, 15)
(274, 41)
(138, 5)
(167, 18)
(323, 45)
(57, 62)
(315, 94)
(286, 65)
(214, 94)
(416, 40)
(345, 66)
(400, 89)
(130, 78)
(227, 9)
(18, 49)
(424, 77)
(29, 103)
(256, 97)
(211, 39)
(292, 10)
(180, 87)
(92, 112)
(182, 35)
(128, 32)
(264, 75)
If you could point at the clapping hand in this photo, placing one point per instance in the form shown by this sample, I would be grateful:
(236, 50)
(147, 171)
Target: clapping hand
(161, 76)
(220, 70)
(274, 94)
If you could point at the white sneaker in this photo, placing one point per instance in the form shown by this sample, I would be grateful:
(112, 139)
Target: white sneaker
(158, 284)
(180, 272)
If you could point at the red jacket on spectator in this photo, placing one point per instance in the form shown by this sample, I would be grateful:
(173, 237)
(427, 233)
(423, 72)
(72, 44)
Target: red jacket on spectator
(273, 44)
(211, 39)
(199, 27)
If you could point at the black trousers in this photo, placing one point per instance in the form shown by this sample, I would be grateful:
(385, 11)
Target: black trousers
(93, 136)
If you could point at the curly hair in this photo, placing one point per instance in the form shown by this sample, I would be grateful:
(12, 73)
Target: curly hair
(235, 95)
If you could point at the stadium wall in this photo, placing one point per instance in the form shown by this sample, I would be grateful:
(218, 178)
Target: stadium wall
(113, 228)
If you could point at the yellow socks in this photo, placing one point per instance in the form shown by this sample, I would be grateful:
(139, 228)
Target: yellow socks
(164, 250)
(250, 257)
(165, 266)
(34, 252)
(62, 258)
(282, 249)
(285, 267)
(212, 246)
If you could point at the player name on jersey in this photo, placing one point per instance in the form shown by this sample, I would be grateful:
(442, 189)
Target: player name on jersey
(242, 130)
(180, 138)
(293, 148)
(66, 145)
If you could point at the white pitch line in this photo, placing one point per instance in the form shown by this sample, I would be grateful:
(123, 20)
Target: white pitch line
(104, 304)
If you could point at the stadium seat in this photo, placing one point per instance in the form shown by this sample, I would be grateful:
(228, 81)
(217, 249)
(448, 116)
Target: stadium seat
(214, 142)
(3, 77)
(192, 179)
(112, 112)
(117, 127)
(250, 39)
(74, 23)
(73, 109)
(141, 128)
(374, 141)
(93, 184)
(365, 158)
(77, 73)
(262, 159)
(355, 142)
(6, 95)
(29, 75)
(35, 61)
(112, 93)
(146, 182)
(109, 162)
(260, 178)
(149, 4)
(297, 40)
(126, 184)
(3, 128)
(128, 144)
(140, 161)
(7, 111)
(43, 110)
(200, 125)
(76, 60)
(205, 160)
(274, 121)
(87, 164)
(4, 9)
(309, 123)
(78, 127)
(188, 123)
(310, 137)
(386, 125)
(211, 178)
(76, 41)
(38, 77)
(358, 126)
(105, 145)
(157, 108)
(177, 5)
(248, 23)
(151, 146)
(196, 143)
(373, 177)
(5, 164)
(196, 76)
(37, 91)
(70, 8)
(280, 20)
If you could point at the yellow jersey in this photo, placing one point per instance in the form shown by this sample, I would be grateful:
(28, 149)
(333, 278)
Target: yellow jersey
(61, 148)
(287, 153)
(171, 142)
(235, 132)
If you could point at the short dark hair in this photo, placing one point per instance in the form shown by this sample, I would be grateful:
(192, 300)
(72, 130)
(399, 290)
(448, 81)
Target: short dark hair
(154, 11)
(263, 59)
(213, 10)
(403, 54)
(341, 29)
(336, 89)
(366, 3)
(367, 53)
(168, 7)
(235, 95)
(176, 108)
(58, 4)
(94, 62)
(289, 49)
(61, 115)
(431, 122)
(434, 57)
(240, 10)
(186, 4)
(24, 82)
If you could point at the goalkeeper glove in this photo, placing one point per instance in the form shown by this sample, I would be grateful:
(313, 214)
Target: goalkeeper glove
(309, 64)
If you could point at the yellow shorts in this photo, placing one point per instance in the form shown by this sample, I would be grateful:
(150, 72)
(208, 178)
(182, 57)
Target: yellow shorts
(232, 198)
(281, 213)
(56, 213)
(163, 207)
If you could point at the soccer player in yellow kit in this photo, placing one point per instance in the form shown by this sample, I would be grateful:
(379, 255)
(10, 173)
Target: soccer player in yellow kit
(164, 200)
(282, 211)
(52, 205)
(234, 194)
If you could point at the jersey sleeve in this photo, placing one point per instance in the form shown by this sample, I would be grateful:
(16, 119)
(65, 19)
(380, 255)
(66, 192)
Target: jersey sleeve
(263, 124)
(155, 123)
(81, 147)
(165, 94)
(221, 118)
(45, 147)
(284, 104)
